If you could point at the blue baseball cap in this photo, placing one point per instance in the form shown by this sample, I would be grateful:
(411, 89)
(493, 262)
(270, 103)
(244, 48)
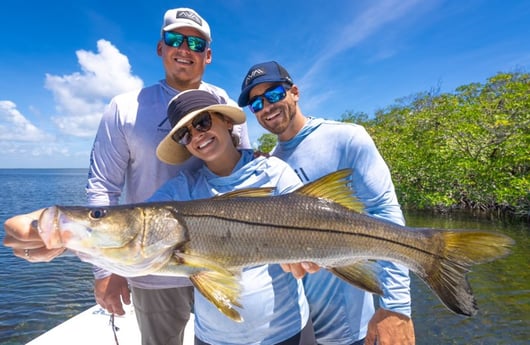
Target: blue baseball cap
(265, 72)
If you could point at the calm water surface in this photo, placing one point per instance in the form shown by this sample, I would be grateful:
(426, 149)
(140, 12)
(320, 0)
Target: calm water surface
(36, 297)
(501, 288)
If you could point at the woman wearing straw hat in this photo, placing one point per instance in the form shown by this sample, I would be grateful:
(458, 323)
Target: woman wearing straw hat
(276, 311)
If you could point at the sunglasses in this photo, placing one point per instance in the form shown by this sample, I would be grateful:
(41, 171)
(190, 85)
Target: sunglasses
(174, 39)
(272, 95)
(202, 123)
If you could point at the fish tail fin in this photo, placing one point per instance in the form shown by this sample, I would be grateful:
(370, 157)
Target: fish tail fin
(462, 249)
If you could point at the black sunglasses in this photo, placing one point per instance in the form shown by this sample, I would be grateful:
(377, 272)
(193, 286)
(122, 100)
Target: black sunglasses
(202, 123)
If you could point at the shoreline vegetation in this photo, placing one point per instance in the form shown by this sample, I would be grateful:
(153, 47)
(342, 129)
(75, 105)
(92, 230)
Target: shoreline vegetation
(465, 151)
(454, 152)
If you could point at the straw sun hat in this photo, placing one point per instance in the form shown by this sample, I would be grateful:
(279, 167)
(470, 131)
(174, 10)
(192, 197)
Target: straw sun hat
(181, 110)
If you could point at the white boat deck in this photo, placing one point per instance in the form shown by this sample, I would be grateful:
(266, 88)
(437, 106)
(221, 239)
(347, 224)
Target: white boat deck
(93, 327)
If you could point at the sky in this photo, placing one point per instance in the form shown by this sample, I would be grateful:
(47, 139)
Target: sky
(61, 61)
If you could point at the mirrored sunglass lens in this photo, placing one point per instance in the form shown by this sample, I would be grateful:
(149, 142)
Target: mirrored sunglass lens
(275, 95)
(256, 105)
(196, 44)
(173, 39)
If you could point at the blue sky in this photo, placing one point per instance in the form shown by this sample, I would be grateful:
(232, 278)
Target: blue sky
(61, 61)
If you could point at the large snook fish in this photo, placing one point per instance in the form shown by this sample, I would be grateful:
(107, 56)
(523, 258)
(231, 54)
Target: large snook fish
(211, 240)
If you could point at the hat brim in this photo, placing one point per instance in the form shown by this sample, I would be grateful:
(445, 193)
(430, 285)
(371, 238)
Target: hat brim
(171, 152)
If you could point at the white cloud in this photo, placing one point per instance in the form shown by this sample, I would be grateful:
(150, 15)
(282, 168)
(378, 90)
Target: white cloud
(15, 127)
(82, 96)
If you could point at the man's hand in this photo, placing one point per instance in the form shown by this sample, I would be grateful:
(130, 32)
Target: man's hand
(390, 328)
(110, 292)
(22, 235)
(300, 269)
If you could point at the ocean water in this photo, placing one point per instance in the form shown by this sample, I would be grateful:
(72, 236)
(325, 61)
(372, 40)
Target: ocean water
(35, 297)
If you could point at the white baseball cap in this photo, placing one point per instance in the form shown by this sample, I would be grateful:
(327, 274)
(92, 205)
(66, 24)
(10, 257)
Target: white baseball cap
(185, 17)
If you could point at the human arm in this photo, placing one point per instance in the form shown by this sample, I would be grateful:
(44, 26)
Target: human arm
(23, 237)
(109, 159)
(108, 166)
(110, 291)
(371, 180)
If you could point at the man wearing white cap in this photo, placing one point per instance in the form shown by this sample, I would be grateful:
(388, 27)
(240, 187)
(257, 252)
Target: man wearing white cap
(124, 160)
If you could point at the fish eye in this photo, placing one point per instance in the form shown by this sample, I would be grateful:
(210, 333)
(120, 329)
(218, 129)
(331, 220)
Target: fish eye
(98, 213)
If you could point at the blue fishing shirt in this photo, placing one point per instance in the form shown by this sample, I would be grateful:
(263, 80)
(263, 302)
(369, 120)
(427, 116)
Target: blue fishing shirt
(340, 312)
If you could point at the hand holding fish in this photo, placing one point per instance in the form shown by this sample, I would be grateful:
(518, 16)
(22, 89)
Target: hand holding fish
(390, 328)
(22, 235)
(300, 269)
(110, 292)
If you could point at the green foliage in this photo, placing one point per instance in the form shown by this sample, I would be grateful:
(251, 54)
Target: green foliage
(359, 118)
(267, 142)
(467, 149)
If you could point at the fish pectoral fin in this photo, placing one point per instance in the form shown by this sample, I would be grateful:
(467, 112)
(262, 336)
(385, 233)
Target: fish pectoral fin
(334, 187)
(362, 274)
(221, 290)
(217, 284)
(201, 263)
(248, 192)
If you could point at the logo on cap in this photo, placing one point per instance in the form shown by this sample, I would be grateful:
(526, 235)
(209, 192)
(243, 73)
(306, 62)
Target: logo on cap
(189, 15)
(258, 72)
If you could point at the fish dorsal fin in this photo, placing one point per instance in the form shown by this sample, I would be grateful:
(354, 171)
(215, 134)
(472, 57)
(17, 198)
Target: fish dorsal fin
(334, 187)
(248, 192)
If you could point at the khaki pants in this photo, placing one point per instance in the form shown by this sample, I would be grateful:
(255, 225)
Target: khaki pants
(162, 314)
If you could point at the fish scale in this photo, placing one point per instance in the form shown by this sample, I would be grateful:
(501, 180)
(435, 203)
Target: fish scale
(270, 236)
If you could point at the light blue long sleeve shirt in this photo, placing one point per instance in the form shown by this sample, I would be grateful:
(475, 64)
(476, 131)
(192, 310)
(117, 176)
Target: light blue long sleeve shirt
(274, 305)
(341, 312)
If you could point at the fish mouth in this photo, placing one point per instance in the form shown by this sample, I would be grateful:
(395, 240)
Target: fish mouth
(56, 230)
(50, 229)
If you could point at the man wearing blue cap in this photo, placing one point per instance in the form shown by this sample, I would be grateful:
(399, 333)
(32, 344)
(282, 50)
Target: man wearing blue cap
(341, 313)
